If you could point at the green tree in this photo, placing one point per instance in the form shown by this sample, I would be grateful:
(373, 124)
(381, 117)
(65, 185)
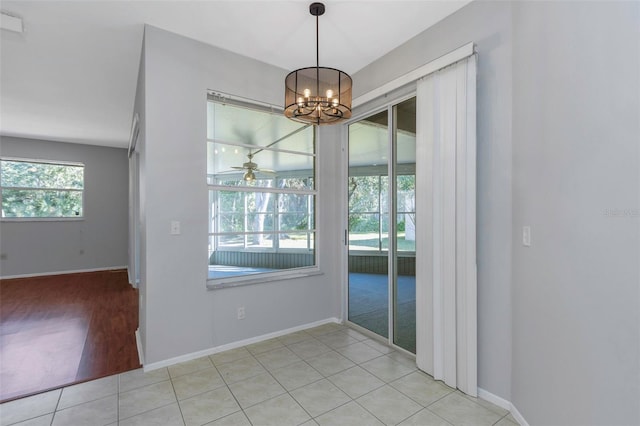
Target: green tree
(32, 189)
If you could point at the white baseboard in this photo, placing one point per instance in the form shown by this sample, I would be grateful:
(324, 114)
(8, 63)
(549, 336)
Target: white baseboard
(494, 399)
(240, 343)
(516, 415)
(502, 403)
(134, 283)
(77, 271)
(139, 345)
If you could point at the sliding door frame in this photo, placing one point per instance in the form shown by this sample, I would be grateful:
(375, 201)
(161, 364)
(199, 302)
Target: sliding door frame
(392, 275)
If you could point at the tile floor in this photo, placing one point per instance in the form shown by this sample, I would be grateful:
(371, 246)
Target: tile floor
(328, 375)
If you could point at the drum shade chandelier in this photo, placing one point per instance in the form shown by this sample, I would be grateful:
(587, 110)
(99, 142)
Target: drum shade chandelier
(317, 95)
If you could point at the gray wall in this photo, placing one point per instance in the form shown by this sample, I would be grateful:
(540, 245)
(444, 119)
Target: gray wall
(558, 149)
(97, 241)
(488, 24)
(181, 316)
(576, 141)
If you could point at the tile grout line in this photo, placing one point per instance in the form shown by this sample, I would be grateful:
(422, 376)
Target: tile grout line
(231, 392)
(411, 415)
(380, 387)
(323, 377)
(93, 399)
(268, 399)
(389, 382)
(146, 411)
(234, 395)
(411, 398)
(315, 381)
(444, 396)
(501, 418)
(438, 415)
(55, 410)
(176, 395)
(327, 379)
(285, 389)
(365, 409)
(474, 401)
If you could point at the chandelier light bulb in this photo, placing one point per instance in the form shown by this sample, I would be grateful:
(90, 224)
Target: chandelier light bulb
(307, 93)
(329, 94)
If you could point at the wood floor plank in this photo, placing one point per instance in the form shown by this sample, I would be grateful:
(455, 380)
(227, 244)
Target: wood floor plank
(64, 329)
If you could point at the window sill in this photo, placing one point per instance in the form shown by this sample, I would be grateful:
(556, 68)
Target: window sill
(377, 253)
(42, 219)
(257, 279)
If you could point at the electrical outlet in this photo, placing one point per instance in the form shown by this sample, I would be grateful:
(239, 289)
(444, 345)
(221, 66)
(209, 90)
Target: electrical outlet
(175, 227)
(241, 313)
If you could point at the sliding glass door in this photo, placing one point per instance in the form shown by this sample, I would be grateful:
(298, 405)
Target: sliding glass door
(368, 191)
(404, 236)
(381, 224)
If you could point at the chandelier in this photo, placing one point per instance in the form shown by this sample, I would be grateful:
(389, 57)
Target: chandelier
(317, 95)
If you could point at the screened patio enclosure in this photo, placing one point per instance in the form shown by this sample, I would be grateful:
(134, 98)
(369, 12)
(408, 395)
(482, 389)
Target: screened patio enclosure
(261, 180)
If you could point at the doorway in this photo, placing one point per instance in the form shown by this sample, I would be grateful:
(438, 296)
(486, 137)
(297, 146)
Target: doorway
(382, 223)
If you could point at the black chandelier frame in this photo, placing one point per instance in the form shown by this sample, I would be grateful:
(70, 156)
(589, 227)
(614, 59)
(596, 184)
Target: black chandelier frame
(309, 92)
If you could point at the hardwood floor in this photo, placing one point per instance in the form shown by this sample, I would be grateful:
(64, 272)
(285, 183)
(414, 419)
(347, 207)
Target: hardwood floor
(63, 329)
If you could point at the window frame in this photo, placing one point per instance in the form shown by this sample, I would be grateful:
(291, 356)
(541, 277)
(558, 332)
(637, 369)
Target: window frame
(80, 217)
(312, 194)
(274, 212)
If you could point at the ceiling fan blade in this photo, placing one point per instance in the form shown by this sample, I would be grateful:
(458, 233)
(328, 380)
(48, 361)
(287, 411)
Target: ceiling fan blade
(237, 168)
(226, 172)
(269, 171)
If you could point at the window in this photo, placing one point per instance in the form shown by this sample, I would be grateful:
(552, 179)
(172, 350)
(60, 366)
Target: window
(261, 180)
(41, 189)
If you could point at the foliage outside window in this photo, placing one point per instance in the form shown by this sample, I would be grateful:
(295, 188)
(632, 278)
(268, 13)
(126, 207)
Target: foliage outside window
(41, 190)
(369, 212)
(266, 224)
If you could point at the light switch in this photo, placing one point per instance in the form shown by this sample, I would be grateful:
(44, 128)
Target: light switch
(526, 236)
(175, 227)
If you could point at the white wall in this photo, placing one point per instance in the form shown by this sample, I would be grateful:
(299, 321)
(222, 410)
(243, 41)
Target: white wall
(181, 316)
(97, 241)
(139, 108)
(576, 142)
(488, 24)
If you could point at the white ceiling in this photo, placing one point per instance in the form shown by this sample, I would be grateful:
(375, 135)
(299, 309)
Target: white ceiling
(71, 76)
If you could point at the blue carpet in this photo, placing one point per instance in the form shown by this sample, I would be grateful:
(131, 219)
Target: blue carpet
(369, 307)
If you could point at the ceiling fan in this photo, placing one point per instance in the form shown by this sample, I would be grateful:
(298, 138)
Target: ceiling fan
(250, 168)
